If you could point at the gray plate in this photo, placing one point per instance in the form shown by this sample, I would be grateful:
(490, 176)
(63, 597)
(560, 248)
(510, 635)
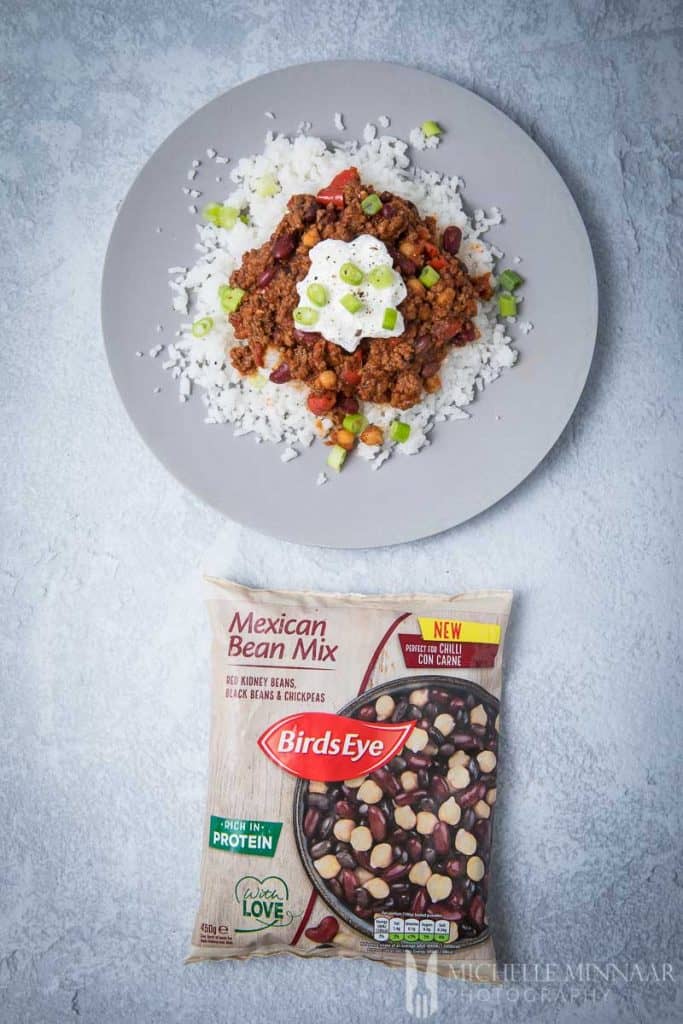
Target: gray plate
(470, 464)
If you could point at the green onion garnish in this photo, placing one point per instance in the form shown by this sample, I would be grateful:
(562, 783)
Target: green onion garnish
(244, 217)
(371, 204)
(430, 128)
(350, 273)
(351, 302)
(507, 304)
(389, 319)
(227, 217)
(210, 213)
(381, 277)
(305, 315)
(335, 460)
(509, 280)
(429, 276)
(399, 431)
(230, 298)
(267, 186)
(355, 422)
(202, 326)
(317, 293)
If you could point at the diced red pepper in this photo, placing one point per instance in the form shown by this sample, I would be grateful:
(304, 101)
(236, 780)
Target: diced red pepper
(333, 194)
(435, 257)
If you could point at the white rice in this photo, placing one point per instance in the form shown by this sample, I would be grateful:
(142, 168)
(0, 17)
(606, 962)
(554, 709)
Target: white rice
(277, 412)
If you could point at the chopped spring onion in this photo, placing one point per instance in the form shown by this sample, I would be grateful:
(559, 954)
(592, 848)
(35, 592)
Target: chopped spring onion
(202, 326)
(371, 204)
(257, 381)
(429, 276)
(509, 280)
(399, 431)
(355, 422)
(317, 293)
(430, 128)
(350, 273)
(267, 186)
(389, 319)
(244, 217)
(381, 277)
(210, 213)
(351, 302)
(230, 298)
(305, 315)
(227, 217)
(336, 458)
(507, 304)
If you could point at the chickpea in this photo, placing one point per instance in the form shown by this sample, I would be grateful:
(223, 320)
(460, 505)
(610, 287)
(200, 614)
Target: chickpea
(414, 286)
(372, 435)
(432, 384)
(327, 380)
(408, 248)
(344, 438)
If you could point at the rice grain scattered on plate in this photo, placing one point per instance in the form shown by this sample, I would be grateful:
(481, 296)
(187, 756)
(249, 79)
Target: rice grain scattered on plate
(277, 412)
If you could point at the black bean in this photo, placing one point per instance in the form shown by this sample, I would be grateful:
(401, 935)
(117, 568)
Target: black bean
(319, 801)
(321, 849)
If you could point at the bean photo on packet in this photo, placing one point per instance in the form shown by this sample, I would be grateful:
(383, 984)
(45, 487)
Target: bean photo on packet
(352, 776)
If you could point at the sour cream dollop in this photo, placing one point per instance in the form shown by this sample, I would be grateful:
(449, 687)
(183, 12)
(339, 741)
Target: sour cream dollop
(333, 320)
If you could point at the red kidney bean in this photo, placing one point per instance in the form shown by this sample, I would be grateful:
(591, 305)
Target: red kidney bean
(349, 405)
(336, 888)
(281, 374)
(387, 210)
(284, 246)
(443, 910)
(363, 858)
(362, 897)
(266, 276)
(414, 849)
(440, 696)
(468, 332)
(430, 369)
(396, 871)
(451, 239)
(344, 809)
(398, 836)
(466, 741)
(438, 787)
(308, 337)
(481, 830)
(472, 795)
(420, 901)
(441, 838)
(455, 703)
(325, 931)
(468, 819)
(407, 266)
(403, 799)
(428, 852)
(455, 866)
(387, 782)
(418, 761)
(423, 778)
(423, 347)
(377, 824)
(367, 713)
(311, 819)
(445, 750)
(309, 211)
(476, 912)
(349, 883)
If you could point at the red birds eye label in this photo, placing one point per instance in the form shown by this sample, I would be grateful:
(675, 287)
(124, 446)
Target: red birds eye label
(331, 748)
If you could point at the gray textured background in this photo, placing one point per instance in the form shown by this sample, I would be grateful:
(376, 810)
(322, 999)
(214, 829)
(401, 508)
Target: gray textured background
(104, 642)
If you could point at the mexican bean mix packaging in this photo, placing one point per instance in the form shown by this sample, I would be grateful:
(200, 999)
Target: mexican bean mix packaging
(352, 776)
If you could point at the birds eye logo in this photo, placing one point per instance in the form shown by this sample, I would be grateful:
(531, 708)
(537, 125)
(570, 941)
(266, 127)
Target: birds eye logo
(263, 903)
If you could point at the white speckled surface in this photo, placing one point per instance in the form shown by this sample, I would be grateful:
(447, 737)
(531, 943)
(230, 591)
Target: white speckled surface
(104, 641)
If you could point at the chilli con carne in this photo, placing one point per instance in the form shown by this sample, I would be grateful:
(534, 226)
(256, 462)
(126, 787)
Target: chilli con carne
(438, 309)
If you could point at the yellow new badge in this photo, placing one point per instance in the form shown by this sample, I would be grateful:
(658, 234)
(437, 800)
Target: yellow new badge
(457, 631)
